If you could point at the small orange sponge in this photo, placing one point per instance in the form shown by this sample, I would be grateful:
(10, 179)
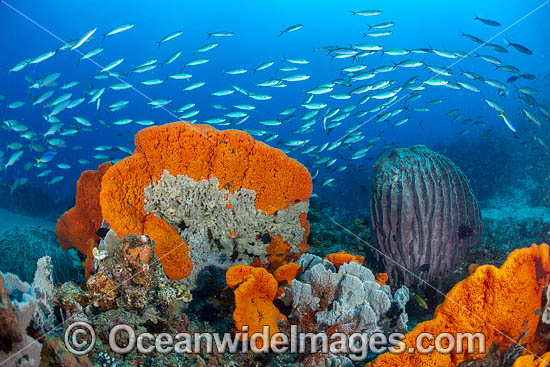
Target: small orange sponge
(255, 290)
(340, 258)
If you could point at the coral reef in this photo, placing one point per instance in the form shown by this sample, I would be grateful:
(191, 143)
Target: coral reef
(16, 347)
(20, 249)
(234, 158)
(130, 288)
(77, 228)
(130, 278)
(423, 211)
(326, 235)
(483, 303)
(347, 300)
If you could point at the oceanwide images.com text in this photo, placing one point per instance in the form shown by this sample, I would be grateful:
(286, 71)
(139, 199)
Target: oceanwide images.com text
(80, 339)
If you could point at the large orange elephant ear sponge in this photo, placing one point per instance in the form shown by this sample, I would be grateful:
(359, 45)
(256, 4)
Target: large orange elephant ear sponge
(255, 290)
(225, 196)
(499, 303)
(77, 227)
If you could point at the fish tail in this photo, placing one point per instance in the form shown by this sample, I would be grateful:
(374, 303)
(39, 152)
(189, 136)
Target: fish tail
(364, 35)
(159, 42)
(280, 34)
(368, 25)
(209, 35)
(509, 43)
(381, 53)
(353, 12)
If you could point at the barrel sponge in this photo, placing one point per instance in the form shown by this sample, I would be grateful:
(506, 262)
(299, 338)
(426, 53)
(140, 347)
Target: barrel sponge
(222, 228)
(200, 152)
(255, 290)
(500, 303)
(77, 227)
(423, 211)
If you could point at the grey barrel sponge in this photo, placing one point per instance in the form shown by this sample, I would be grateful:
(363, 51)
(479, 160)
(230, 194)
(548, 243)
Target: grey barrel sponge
(424, 213)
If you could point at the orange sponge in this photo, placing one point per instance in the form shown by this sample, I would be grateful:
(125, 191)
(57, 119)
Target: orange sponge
(200, 152)
(340, 258)
(529, 361)
(77, 227)
(492, 301)
(255, 290)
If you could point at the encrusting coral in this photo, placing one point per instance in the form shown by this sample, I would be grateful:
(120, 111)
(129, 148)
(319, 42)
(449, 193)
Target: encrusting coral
(231, 160)
(255, 290)
(501, 303)
(77, 227)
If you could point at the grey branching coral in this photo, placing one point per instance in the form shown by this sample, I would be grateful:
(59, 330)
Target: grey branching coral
(221, 228)
(347, 301)
(23, 307)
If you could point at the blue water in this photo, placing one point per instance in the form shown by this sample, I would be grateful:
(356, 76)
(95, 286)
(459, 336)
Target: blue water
(44, 26)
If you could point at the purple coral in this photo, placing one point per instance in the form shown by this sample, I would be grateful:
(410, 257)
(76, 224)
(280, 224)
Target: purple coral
(423, 212)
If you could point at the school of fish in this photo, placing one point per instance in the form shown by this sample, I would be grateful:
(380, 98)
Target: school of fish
(340, 110)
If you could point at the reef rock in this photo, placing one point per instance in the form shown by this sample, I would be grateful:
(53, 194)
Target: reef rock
(424, 214)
